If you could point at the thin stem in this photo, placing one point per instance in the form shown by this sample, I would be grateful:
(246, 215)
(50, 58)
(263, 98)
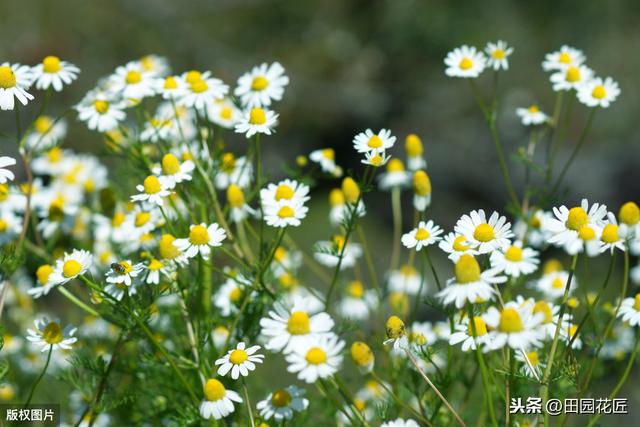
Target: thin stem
(35, 384)
(399, 401)
(77, 301)
(396, 208)
(248, 402)
(369, 260)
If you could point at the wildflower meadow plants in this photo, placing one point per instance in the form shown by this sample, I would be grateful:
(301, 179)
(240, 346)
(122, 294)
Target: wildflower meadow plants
(188, 299)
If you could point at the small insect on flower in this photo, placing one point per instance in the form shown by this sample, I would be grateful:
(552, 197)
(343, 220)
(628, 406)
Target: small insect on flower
(218, 401)
(283, 403)
(239, 361)
(15, 80)
(124, 272)
(6, 174)
(201, 239)
(257, 120)
(427, 233)
(396, 333)
(51, 336)
(465, 62)
(262, 85)
(498, 54)
(53, 72)
(318, 358)
(532, 115)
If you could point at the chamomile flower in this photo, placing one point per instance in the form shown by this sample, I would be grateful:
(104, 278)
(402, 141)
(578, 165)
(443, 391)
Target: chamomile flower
(43, 285)
(531, 364)
(577, 229)
(124, 272)
(470, 284)
(256, 121)
(284, 213)
(51, 335)
(421, 190)
(456, 245)
(568, 334)
(71, 266)
(598, 92)
(6, 174)
(131, 83)
(53, 72)
(484, 235)
(202, 238)
(532, 115)
(200, 92)
(232, 170)
(563, 58)
(283, 403)
(611, 238)
(238, 208)
(471, 335)
(514, 326)
(369, 142)
(571, 77)
(14, 82)
(465, 62)
(362, 356)
(218, 401)
(414, 149)
(630, 310)
(172, 171)
(155, 269)
(262, 85)
(329, 253)
(239, 361)
(326, 158)
(289, 328)
(498, 54)
(375, 158)
(514, 260)
(224, 113)
(319, 358)
(170, 87)
(553, 284)
(406, 280)
(427, 233)
(158, 129)
(396, 333)
(46, 133)
(357, 302)
(151, 191)
(400, 422)
(629, 217)
(154, 65)
(396, 176)
(100, 113)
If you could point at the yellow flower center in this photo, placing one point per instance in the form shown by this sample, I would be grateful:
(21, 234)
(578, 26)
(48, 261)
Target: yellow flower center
(577, 218)
(235, 196)
(170, 83)
(459, 244)
(610, 233)
(533, 358)
(71, 268)
(514, 254)
(235, 295)
(199, 235)
(586, 233)
(534, 109)
(636, 302)
(565, 58)
(573, 74)
(356, 289)
(170, 164)
(510, 321)
(226, 113)
(484, 233)
(280, 398)
(257, 116)
(125, 267)
(286, 212)
(350, 189)
(193, 76)
(280, 254)
(413, 145)
(467, 269)
(52, 333)
(238, 357)
(133, 77)
(395, 165)
(43, 272)
(118, 219)
(141, 218)
(395, 327)
(4, 192)
(328, 153)
(552, 266)
(361, 354)
(498, 54)
(422, 234)
(479, 325)
(336, 197)
(466, 63)
(259, 83)
(629, 213)
(43, 124)
(599, 92)
(199, 86)
(298, 323)
(155, 265)
(228, 163)
(214, 390)
(558, 283)
(374, 142)
(543, 307)
(421, 183)
(151, 185)
(7, 77)
(101, 106)
(316, 356)
(408, 271)
(51, 64)
(166, 248)
(284, 192)
(3, 225)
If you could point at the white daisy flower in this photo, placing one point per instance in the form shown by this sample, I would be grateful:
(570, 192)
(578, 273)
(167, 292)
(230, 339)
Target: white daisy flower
(283, 403)
(456, 245)
(426, 234)
(358, 302)
(319, 358)
(46, 133)
(201, 239)
(485, 236)
(101, 114)
(232, 170)
(287, 190)
(553, 284)
(577, 229)
(229, 295)
(262, 85)
(422, 334)
(629, 216)
(199, 93)
(218, 401)
(6, 174)
(14, 82)
(532, 115)
(170, 87)
(238, 208)
(548, 315)
(375, 158)
(611, 238)
(563, 58)
(498, 54)
(155, 269)
(421, 190)
(284, 213)
(289, 328)
(630, 310)
(395, 177)
(514, 260)
(53, 72)
(598, 92)
(124, 272)
(396, 333)
(131, 83)
(154, 65)
(152, 191)
(219, 335)
(464, 333)
(531, 366)
(257, 120)
(465, 62)
(43, 285)
(326, 158)
(224, 113)
(71, 266)
(513, 326)
(158, 129)
(173, 172)
(406, 280)
(239, 361)
(571, 77)
(414, 150)
(400, 422)
(378, 143)
(568, 333)
(328, 252)
(51, 336)
(470, 284)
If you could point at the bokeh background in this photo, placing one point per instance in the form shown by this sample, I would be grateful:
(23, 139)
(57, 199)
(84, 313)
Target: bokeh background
(360, 64)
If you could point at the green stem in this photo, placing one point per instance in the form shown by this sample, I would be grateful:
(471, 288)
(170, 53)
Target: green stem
(369, 260)
(396, 208)
(248, 403)
(35, 384)
(77, 301)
